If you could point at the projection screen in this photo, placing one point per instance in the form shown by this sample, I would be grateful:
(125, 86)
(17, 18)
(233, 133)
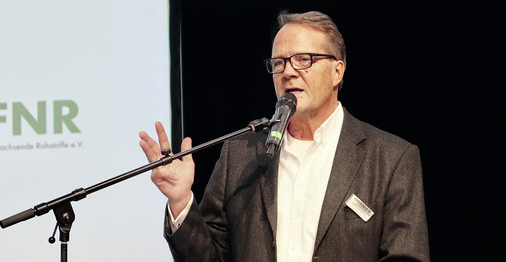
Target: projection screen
(78, 81)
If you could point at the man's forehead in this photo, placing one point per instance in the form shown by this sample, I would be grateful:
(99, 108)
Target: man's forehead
(296, 38)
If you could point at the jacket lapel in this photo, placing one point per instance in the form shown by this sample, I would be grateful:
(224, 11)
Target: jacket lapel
(344, 169)
(269, 186)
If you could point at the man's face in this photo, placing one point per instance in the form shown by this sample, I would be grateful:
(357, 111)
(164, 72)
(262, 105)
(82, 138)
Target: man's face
(314, 87)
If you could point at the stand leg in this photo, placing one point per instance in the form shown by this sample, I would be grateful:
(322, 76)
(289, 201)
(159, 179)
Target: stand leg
(64, 251)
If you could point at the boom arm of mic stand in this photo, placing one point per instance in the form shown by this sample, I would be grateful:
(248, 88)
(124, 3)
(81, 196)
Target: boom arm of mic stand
(80, 193)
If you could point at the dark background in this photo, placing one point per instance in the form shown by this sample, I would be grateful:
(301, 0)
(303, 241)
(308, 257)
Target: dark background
(430, 72)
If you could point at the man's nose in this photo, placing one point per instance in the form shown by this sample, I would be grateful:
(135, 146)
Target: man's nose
(289, 70)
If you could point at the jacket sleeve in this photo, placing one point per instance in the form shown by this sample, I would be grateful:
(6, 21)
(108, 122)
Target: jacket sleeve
(405, 236)
(203, 235)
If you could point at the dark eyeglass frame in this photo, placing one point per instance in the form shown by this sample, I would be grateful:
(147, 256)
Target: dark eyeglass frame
(268, 61)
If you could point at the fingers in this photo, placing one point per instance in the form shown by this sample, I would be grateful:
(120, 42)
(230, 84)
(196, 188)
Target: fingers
(186, 145)
(160, 177)
(149, 146)
(152, 149)
(162, 135)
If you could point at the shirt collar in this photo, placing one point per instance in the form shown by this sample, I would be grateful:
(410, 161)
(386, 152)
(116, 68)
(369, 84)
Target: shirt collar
(326, 133)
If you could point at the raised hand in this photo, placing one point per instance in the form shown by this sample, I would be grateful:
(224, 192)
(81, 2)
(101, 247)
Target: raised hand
(175, 179)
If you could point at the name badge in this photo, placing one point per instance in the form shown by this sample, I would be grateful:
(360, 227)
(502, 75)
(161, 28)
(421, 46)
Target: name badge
(359, 207)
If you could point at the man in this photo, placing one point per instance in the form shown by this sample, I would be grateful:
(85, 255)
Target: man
(338, 190)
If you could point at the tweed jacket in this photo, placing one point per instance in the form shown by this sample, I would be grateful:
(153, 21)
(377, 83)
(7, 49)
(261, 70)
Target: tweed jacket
(236, 219)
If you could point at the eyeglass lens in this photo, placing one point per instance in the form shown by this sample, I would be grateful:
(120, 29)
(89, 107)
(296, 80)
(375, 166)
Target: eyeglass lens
(299, 61)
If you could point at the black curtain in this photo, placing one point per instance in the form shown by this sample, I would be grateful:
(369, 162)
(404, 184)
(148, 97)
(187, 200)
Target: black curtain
(428, 72)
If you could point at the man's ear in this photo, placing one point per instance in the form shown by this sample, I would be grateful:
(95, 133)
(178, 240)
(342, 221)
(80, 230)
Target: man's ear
(339, 68)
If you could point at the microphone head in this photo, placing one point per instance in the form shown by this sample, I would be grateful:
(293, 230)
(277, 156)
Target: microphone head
(285, 108)
(289, 100)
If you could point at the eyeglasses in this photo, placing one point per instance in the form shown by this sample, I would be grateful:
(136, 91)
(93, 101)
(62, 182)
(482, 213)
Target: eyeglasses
(277, 65)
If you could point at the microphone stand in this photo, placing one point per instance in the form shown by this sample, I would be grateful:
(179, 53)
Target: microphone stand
(63, 209)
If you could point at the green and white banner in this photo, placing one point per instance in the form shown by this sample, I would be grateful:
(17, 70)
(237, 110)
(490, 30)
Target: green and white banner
(78, 80)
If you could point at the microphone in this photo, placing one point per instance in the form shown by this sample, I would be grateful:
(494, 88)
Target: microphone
(285, 108)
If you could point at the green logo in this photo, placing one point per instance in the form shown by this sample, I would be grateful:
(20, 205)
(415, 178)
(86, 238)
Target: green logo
(39, 122)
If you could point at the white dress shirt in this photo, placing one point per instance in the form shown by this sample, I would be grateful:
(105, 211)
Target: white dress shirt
(304, 170)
